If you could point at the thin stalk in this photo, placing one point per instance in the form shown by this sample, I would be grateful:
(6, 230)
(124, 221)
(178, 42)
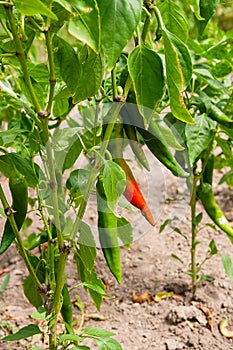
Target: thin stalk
(18, 238)
(21, 57)
(114, 84)
(193, 202)
(53, 186)
(51, 69)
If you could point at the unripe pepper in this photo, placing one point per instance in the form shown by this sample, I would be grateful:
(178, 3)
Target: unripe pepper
(108, 232)
(206, 196)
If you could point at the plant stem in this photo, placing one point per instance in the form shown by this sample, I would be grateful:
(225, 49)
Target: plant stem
(194, 234)
(21, 57)
(51, 69)
(114, 85)
(18, 238)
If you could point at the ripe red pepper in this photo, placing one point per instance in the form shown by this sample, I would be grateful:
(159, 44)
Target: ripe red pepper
(133, 193)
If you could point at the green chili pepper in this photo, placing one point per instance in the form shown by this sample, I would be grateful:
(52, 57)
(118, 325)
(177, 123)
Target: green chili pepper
(162, 153)
(131, 134)
(108, 232)
(130, 131)
(208, 171)
(216, 114)
(66, 309)
(19, 192)
(206, 195)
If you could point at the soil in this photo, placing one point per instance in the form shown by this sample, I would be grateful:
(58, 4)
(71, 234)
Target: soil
(140, 320)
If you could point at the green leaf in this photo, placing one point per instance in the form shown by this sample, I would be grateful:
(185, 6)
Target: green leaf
(5, 283)
(67, 62)
(87, 248)
(108, 344)
(71, 337)
(213, 247)
(31, 292)
(72, 154)
(89, 277)
(114, 181)
(23, 333)
(7, 237)
(30, 8)
(96, 288)
(91, 77)
(67, 5)
(174, 19)
(164, 133)
(199, 136)
(146, 71)
(119, 20)
(207, 10)
(97, 332)
(85, 25)
(174, 256)
(7, 167)
(198, 219)
(228, 266)
(24, 167)
(125, 231)
(175, 76)
(194, 5)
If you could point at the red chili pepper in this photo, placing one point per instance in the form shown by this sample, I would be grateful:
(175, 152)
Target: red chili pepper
(133, 193)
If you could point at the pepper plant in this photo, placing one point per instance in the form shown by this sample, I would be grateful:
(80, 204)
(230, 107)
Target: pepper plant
(85, 79)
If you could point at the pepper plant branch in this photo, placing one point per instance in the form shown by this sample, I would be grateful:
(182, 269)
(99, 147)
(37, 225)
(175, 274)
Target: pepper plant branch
(94, 171)
(18, 238)
(21, 57)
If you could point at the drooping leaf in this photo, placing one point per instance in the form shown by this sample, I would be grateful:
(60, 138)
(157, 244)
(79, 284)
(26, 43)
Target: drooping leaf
(199, 136)
(23, 333)
(228, 266)
(164, 133)
(146, 71)
(85, 25)
(207, 10)
(89, 277)
(30, 8)
(174, 18)
(4, 284)
(67, 5)
(31, 292)
(175, 78)
(91, 77)
(24, 167)
(87, 248)
(114, 181)
(213, 247)
(119, 19)
(194, 5)
(125, 232)
(67, 62)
